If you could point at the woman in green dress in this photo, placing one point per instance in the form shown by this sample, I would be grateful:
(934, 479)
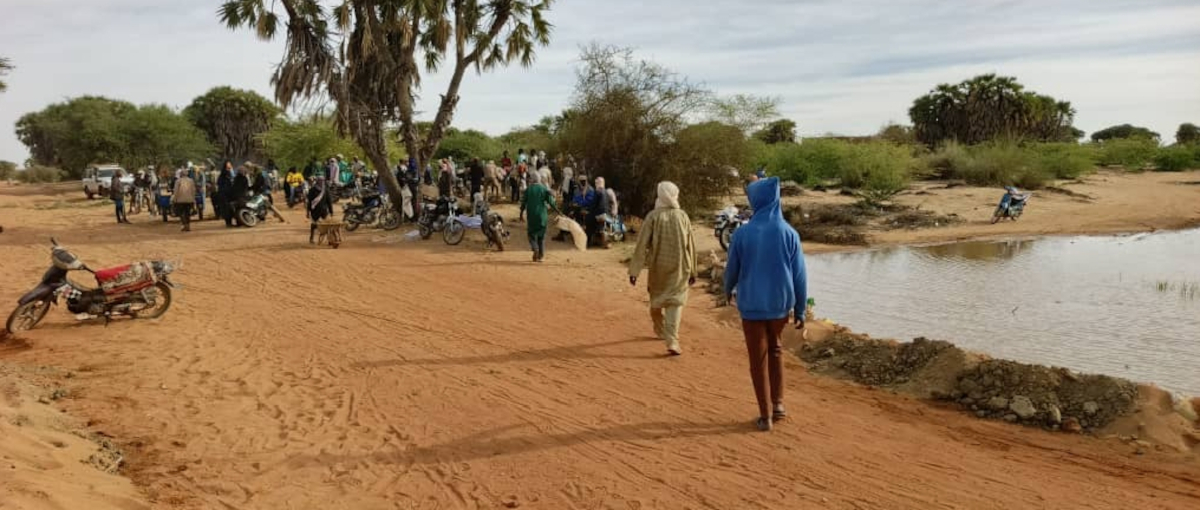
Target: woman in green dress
(537, 202)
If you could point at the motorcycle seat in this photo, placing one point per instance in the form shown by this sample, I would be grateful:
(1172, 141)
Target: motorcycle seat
(110, 274)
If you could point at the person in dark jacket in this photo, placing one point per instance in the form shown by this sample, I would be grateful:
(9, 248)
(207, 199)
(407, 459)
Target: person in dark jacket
(238, 193)
(766, 268)
(320, 206)
(224, 194)
(116, 191)
(476, 177)
(261, 185)
(597, 215)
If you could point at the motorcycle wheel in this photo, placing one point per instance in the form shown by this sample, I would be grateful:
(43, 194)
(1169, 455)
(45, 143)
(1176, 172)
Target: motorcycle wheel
(27, 316)
(389, 219)
(494, 233)
(997, 216)
(454, 233)
(426, 232)
(160, 306)
(248, 217)
(725, 236)
(351, 226)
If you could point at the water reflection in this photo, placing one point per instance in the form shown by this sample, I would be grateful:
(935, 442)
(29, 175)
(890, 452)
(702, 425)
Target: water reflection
(1090, 303)
(980, 251)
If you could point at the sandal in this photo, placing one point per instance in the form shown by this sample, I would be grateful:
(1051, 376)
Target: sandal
(764, 424)
(779, 414)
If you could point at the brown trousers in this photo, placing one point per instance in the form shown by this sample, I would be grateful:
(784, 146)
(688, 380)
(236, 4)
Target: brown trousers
(766, 360)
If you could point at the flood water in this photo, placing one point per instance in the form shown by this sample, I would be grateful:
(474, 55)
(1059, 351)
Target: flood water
(1127, 306)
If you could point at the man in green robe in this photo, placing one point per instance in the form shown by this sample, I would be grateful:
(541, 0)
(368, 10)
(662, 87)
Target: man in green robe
(537, 202)
(666, 249)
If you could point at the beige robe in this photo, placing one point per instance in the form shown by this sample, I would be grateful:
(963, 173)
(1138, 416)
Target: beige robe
(666, 249)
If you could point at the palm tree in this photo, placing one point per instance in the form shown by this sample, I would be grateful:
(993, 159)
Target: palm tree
(368, 56)
(5, 67)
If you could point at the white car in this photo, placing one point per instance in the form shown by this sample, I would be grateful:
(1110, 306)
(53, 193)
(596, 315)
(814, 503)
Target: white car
(96, 179)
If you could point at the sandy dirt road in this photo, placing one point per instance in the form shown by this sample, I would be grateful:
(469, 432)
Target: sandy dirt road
(420, 376)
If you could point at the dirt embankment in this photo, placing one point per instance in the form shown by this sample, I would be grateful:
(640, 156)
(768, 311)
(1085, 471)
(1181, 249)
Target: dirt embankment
(1052, 398)
(48, 460)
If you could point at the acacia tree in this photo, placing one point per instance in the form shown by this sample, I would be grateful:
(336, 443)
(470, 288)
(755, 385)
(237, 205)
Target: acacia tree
(779, 131)
(989, 107)
(369, 55)
(745, 112)
(232, 119)
(1124, 131)
(1187, 133)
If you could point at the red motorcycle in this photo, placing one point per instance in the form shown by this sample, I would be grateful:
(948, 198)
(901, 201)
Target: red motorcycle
(141, 290)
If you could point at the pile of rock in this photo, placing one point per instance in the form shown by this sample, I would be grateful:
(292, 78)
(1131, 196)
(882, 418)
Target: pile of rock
(1035, 395)
(1055, 398)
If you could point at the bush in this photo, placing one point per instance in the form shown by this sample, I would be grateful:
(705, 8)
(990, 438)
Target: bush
(1065, 160)
(948, 161)
(1004, 164)
(1176, 158)
(1133, 153)
(40, 174)
(809, 163)
(880, 169)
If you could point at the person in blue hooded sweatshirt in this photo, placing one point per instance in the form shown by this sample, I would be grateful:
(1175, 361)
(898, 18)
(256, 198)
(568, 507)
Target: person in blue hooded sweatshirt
(766, 267)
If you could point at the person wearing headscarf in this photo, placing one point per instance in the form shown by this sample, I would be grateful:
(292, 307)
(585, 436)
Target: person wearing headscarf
(537, 201)
(568, 180)
(597, 215)
(320, 206)
(766, 267)
(224, 194)
(201, 182)
(667, 251)
(184, 198)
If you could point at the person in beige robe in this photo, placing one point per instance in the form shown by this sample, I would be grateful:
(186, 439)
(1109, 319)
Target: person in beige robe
(666, 249)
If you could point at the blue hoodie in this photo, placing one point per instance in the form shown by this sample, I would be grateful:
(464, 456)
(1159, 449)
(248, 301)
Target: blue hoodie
(766, 261)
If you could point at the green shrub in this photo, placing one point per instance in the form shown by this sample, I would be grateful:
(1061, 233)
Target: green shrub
(1133, 153)
(1065, 160)
(948, 161)
(1176, 158)
(1004, 164)
(40, 174)
(880, 168)
(810, 163)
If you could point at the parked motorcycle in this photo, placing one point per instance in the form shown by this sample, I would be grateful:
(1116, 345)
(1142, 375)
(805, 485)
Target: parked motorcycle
(254, 210)
(491, 223)
(435, 215)
(1012, 204)
(614, 229)
(141, 290)
(373, 210)
(726, 222)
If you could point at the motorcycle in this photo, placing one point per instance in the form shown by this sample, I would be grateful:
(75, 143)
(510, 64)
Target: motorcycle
(373, 209)
(435, 216)
(141, 290)
(727, 221)
(614, 229)
(254, 210)
(1012, 204)
(491, 223)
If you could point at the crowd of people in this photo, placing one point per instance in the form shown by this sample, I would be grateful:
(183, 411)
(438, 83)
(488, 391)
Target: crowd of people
(183, 192)
(765, 272)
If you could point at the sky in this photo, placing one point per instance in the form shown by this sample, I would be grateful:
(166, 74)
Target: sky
(845, 67)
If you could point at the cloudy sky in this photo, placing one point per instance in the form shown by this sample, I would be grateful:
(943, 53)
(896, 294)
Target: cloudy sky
(843, 67)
